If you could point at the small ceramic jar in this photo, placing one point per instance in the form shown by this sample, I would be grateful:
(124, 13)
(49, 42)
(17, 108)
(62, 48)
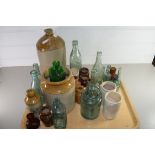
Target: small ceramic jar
(32, 100)
(105, 87)
(65, 90)
(111, 105)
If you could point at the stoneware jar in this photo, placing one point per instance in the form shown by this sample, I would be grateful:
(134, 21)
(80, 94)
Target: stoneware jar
(65, 90)
(112, 104)
(32, 100)
(105, 87)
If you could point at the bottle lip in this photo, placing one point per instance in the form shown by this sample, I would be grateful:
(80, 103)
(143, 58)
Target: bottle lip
(48, 31)
(30, 92)
(75, 42)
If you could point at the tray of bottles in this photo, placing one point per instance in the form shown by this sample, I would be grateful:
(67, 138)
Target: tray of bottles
(125, 118)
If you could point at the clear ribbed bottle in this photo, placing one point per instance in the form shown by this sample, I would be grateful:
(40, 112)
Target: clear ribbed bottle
(98, 66)
(75, 59)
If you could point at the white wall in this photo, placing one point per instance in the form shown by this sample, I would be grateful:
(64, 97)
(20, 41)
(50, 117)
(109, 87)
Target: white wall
(119, 44)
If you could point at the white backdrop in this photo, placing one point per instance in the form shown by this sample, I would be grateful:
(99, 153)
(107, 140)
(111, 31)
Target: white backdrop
(119, 44)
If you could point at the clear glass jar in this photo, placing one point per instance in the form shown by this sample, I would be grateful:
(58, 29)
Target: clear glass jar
(50, 48)
(59, 114)
(91, 101)
(98, 66)
(75, 59)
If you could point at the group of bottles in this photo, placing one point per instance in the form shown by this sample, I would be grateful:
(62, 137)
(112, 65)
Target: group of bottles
(91, 96)
(54, 114)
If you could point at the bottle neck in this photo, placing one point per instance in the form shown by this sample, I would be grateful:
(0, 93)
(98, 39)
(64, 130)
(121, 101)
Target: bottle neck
(75, 47)
(98, 58)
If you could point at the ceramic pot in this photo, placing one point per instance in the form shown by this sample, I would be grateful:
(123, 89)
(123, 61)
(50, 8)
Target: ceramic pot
(105, 87)
(65, 90)
(112, 104)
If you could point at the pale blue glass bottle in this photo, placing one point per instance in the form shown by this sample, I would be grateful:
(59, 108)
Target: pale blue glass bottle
(75, 59)
(91, 100)
(35, 84)
(59, 114)
(98, 66)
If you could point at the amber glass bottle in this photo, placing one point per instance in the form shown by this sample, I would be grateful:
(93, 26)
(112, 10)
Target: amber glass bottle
(50, 48)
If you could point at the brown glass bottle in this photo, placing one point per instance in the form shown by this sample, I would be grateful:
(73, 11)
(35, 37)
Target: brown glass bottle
(50, 48)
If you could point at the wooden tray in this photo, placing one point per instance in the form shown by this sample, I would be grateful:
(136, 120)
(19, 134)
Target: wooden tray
(126, 117)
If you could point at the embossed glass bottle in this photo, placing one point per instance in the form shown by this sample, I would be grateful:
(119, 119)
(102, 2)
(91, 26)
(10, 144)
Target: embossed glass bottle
(59, 114)
(91, 101)
(99, 67)
(75, 59)
(36, 85)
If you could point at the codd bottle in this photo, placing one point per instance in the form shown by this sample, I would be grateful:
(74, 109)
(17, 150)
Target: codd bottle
(59, 114)
(91, 101)
(36, 85)
(99, 67)
(75, 59)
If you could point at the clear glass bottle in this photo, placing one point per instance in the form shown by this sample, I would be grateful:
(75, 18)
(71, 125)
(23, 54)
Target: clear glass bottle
(59, 114)
(91, 101)
(75, 59)
(118, 80)
(35, 84)
(98, 66)
(50, 47)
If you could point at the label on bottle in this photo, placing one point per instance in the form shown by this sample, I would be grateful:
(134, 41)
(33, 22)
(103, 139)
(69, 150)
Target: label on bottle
(46, 58)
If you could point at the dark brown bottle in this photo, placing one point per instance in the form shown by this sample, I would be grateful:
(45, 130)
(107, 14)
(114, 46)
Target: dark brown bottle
(46, 116)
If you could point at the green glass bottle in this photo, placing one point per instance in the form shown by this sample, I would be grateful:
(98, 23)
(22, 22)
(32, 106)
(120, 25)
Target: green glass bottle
(35, 84)
(59, 114)
(91, 100)
(98, 66)
(75, 59)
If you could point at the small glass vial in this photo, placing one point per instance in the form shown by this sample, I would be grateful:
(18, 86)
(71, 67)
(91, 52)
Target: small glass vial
(99, 67)
(32, 100)
(75, 59)
(59, 114)
(36, 85)
(91, 101)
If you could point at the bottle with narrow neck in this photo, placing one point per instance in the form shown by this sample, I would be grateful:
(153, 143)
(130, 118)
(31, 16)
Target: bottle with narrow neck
(99, 67)
(75, 58)
(36, 85)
